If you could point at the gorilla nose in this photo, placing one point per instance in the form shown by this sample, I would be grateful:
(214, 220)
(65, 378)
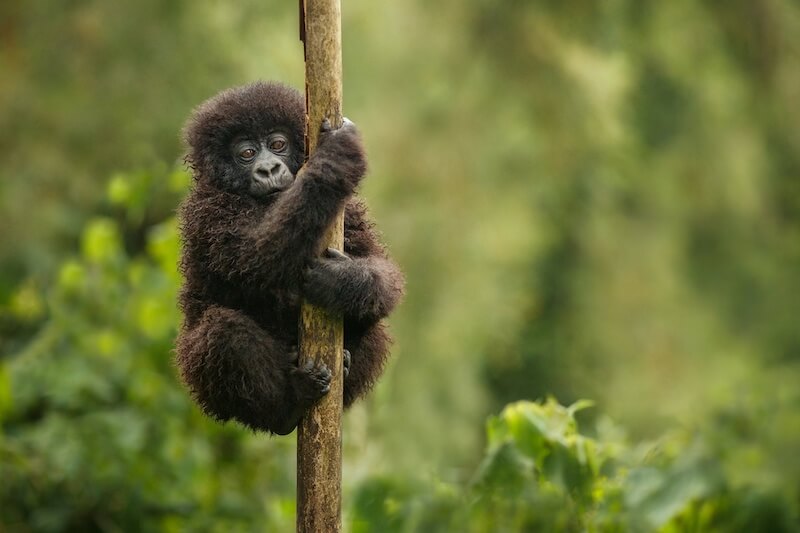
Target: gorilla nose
(268, 170)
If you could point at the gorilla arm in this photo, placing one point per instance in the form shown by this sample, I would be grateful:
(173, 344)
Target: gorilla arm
(363, 283)
(290, 233)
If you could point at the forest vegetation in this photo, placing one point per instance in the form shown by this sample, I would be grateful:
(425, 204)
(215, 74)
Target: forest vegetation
(597, 209)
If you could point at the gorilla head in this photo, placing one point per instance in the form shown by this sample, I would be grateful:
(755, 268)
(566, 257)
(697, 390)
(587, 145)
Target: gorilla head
(248, 140)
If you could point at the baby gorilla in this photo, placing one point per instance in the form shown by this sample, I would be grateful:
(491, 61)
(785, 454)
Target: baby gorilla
(251, 231)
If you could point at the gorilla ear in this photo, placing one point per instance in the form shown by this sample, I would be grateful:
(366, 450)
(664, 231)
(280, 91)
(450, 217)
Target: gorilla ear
(189, 164)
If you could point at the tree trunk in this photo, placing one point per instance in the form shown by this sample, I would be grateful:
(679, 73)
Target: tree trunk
(319, 435)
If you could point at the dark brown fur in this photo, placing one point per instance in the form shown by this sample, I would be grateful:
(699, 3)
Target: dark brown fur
(247, 262)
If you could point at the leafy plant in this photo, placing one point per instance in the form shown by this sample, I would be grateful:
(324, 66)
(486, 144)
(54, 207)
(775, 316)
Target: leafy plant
(97, 434)
(541, 474)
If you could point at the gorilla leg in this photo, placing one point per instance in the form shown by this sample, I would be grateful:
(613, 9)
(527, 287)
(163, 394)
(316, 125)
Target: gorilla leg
(369, 349)
(236, 370)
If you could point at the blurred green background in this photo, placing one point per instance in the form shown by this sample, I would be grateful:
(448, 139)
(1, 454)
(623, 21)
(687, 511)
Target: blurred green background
(591, 200)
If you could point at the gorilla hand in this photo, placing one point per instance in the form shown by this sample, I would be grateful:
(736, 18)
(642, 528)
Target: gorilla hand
(329, 278)
(343, 153)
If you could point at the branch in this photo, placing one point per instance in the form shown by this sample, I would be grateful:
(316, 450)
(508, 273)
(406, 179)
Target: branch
(319, 435)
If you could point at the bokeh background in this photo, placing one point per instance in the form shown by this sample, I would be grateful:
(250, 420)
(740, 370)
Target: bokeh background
(591, 200)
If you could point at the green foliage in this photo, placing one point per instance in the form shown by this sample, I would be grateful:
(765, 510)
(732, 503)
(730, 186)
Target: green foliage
(97, 433)
(541, 474)
(589, 199)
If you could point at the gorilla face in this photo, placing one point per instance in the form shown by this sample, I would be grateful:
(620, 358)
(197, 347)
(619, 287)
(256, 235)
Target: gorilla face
(264, 165)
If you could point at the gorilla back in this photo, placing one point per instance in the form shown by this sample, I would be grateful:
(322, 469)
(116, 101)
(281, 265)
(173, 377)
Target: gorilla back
(251, 232)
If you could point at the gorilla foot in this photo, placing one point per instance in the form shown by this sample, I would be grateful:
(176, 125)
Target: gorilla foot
(311, 382)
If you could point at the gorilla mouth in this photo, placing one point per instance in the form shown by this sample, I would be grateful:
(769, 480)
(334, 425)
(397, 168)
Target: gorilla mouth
(273, 184)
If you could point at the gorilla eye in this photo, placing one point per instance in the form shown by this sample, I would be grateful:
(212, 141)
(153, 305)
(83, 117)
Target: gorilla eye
(277, 145)
(247, 153)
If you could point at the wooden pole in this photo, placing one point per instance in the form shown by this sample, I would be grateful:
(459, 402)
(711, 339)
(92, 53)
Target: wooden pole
(319, 435)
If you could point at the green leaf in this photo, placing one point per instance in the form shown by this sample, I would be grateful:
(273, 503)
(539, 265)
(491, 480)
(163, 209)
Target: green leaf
(101, 241)
(657, 496)
(119, 190)
(6, 399)
(503, 470)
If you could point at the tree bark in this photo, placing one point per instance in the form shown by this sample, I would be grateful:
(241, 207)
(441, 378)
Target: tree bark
(319, 435)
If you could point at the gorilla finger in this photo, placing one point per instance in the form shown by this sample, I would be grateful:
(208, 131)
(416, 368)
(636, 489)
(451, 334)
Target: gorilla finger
(333, 253)
(325, 127)
(348, 125)
(346, 359)
(324, 371)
